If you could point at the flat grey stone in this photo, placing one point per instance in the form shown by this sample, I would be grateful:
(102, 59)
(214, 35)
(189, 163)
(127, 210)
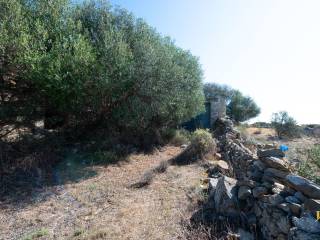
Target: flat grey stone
(307, 224)
(292, 199)
(277, 163)
(312, 205)
(270, 153)
(300, 196)
(304, 185)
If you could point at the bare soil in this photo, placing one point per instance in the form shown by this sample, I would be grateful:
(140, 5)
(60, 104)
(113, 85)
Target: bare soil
(103, 206)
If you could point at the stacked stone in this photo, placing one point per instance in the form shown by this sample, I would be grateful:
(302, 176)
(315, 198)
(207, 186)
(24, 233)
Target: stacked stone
(264, 193)
(285, 204)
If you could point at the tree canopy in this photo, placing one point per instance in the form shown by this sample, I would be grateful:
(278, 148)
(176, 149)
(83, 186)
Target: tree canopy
(240, 108)
(92, 64)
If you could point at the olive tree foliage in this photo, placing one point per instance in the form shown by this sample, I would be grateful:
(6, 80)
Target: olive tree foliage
(46, 60)
(240, 108)
(93, 64)
(284, 124)
(214, 89)
(14, 40)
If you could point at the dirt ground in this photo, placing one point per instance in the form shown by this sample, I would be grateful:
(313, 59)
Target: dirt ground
(103, 206)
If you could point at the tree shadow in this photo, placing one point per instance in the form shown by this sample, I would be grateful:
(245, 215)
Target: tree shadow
(70, 164)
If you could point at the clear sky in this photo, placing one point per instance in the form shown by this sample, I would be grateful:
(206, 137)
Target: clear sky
(268, 49)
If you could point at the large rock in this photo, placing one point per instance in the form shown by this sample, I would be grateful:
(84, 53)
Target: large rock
(270, 225)
(259, 192)
(307, 224)
(300, 196)
(277, 188)
(223, 165)
(283, 224)
(212, 186)
(256, 174)
(244, 235)
(284, 207)
(295, 209)
(312, 205)
(248, 183)
(260, 165)
(276, 163)
(297, 234)
(218, 168)
(271, 174)
(270, 153)
(274, 199)
(303, 185)
(225, 197)
(292, 199)
(244, 192)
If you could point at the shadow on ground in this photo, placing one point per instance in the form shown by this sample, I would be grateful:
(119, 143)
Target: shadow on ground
(27, 187)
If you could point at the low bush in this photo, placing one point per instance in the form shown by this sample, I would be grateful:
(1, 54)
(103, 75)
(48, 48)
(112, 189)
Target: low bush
(202, 141)
(181, 136)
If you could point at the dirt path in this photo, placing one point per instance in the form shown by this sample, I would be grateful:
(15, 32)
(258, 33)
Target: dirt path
(104, 207)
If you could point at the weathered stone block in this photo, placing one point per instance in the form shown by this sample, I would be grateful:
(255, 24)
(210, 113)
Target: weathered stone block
(277, 163)
(225, 197)
(259, 192)
(244, 192)
(312, 205)
(271, 153)
(307, 224)
(303, 185)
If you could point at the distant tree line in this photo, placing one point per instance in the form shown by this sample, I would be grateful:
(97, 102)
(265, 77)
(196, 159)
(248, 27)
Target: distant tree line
(89, 65)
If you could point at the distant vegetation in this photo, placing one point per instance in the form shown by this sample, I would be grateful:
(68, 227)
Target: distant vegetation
(285, 125)
(240, 108)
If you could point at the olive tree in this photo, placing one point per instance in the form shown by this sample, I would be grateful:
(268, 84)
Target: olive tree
(284, 125)
(90, 64)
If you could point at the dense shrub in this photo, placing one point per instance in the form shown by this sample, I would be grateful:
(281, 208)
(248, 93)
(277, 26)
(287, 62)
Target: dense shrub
(92, 65)
(284, 125)
(202, 141)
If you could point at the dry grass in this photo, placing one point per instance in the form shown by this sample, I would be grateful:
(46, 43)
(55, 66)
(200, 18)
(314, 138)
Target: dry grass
(104, 207)
(266, 132)
(301, 152)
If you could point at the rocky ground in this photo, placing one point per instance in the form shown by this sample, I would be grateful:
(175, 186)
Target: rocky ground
(261, 189)
(101, 205)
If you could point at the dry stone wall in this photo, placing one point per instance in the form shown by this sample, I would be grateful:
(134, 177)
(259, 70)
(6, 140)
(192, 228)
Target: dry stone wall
(261, 190)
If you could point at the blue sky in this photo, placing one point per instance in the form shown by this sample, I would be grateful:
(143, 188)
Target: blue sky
(268, 49)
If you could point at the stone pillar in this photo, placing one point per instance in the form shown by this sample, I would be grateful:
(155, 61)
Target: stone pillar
(217, 108)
